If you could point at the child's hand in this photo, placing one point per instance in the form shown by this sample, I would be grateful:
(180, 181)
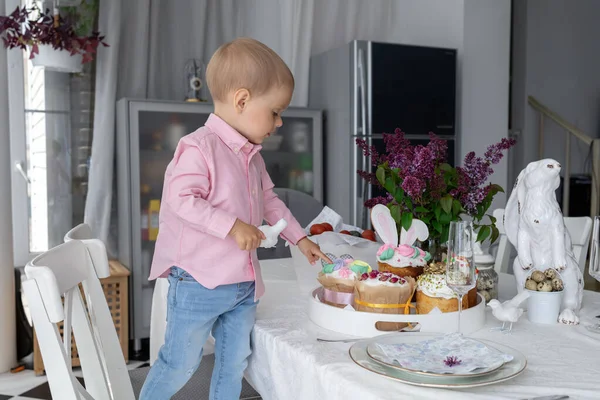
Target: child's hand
(247, 237)
(312, 251)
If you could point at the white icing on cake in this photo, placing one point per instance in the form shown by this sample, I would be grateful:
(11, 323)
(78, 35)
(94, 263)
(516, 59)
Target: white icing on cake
(338, 275)
(399, 261)
(434, 285)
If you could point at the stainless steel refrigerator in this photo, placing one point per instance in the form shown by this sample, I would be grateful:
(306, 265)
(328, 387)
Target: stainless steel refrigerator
(147, 133)
(366, 89)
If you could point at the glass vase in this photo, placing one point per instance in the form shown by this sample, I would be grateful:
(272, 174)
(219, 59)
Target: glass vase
(437, 249)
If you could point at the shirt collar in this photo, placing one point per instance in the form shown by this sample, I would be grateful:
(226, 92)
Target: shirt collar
(232, 138)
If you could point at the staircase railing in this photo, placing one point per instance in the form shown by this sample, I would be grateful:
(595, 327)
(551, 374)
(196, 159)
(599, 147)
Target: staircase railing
(545, 113)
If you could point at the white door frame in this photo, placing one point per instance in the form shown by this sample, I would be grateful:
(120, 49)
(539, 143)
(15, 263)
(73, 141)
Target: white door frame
(18, 151)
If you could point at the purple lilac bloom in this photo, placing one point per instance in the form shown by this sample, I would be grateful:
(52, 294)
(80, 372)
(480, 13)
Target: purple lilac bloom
(413, 187)
(378, 200)
(494, 152)
(417, 165)
(452, 361)
(369, 151)
(369, 177)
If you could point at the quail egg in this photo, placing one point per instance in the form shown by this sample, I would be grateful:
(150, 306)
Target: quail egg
(530, 284)
(550, 273)
(545, 286)
(486, 295)
(538, 276)
(557, 284)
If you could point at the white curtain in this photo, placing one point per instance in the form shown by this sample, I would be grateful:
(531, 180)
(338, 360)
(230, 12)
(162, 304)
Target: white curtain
(150, 41)
(8, 343)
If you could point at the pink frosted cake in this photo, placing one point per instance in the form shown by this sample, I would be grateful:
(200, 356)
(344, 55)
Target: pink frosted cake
(403, 260)
(338, 279)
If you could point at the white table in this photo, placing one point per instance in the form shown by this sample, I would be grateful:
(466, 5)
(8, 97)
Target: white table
(288, 363)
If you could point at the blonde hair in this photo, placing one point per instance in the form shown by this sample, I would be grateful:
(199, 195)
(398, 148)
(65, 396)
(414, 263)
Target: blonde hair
(246, 63)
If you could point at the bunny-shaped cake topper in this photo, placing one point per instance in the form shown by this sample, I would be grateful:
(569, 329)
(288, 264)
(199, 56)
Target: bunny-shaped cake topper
(534, 224)
(401, 257)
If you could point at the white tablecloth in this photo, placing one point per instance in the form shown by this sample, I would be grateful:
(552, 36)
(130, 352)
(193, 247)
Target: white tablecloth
(288, 363)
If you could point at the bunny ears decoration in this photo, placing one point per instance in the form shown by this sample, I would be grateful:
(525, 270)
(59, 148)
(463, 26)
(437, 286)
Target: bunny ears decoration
(385, 226)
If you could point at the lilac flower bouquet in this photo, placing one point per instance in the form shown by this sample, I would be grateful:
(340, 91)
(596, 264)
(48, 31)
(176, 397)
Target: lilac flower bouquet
(421, 184)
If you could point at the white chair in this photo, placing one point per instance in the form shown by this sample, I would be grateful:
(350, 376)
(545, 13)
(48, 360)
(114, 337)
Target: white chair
(80, 232)
(57, 273)
(95, 247)
(503, 252)
(158, 318)
(579, 228)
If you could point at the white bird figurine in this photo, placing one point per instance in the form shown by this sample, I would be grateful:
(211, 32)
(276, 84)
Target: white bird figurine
(272, 233)
(508, 311)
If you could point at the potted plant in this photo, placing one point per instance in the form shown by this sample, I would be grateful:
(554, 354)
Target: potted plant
(421, 184)
(54, 41)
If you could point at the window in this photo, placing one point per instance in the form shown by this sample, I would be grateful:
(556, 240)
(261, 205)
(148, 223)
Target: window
(51, 116)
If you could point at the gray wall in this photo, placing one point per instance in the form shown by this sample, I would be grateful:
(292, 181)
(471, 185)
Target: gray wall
(485, 82)
(556, 58)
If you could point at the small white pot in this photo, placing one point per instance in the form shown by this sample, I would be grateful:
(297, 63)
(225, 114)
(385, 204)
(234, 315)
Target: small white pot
(57, 60)
(544, 307)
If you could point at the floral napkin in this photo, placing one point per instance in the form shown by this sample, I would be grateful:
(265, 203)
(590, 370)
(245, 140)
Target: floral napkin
(448, 354)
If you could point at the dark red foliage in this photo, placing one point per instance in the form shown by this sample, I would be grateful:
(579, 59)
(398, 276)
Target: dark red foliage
(20, 30)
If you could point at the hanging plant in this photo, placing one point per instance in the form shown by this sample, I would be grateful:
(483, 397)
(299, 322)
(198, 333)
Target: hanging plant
(30, 28)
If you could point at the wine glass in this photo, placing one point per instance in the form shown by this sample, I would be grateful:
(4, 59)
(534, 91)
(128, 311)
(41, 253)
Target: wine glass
(460, 267)
(594, 267)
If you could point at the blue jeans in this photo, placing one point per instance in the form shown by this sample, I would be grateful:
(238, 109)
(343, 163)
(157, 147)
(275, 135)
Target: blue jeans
(193, 310)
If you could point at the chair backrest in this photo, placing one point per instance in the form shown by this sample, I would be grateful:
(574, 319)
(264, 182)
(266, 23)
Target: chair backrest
(58, 273)
(503, 253)
(304, 208)
(95, 247)
(579, 228)
(80, 232)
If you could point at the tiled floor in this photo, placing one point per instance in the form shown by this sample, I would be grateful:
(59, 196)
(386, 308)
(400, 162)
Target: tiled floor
(26, 386)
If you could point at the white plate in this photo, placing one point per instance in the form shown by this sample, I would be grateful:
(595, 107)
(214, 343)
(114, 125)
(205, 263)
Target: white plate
(359, 354)
(376, 354)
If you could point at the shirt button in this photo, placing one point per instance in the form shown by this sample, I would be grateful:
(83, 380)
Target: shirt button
(253, 192)
(235, 149)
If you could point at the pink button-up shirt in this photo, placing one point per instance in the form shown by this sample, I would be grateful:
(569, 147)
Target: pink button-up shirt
(216, 176)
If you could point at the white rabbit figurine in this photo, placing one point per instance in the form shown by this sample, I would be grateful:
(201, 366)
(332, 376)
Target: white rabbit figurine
(534, 225)
(400, 257)
(272, 233)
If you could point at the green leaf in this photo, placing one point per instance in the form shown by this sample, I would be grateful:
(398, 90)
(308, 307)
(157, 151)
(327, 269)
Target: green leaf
(407, 220)
(389, 184)
(445, 218)
(437, 226)
(446, 203)
(380, 175)
(437, 210)
(396, 212)
(408, 203)
(492, 218)
(399, 195)
(456, 207)
(444, 234)
(495, 189)
(495, 234)
(483, 233)
(446, 167)
(426, 218)
(421, 209)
